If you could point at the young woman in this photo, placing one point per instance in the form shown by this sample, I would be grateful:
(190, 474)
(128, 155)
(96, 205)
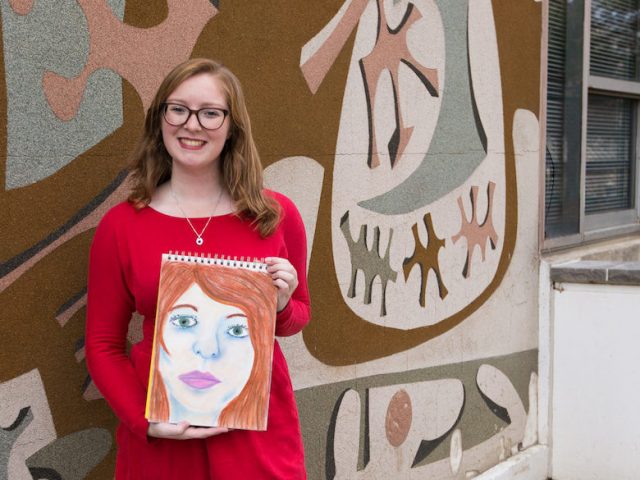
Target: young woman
(197, 187)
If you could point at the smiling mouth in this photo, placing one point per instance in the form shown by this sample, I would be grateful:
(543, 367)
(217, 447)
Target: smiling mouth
(199, 380)
(188, 142)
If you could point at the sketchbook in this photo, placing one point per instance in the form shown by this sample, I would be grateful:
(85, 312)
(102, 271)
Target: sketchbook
(213, 342)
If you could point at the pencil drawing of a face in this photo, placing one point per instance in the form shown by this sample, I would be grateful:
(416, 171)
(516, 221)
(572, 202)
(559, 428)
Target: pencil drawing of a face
(213, 346)
(208, 356)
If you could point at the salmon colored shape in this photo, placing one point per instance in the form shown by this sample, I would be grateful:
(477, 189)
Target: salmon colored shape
(475, 232)
(64, 316)
(315, 67)
(388, 53)
(21, 7)
(142, 56)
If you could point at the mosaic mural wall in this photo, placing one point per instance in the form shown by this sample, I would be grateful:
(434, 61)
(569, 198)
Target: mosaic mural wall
(407, 133)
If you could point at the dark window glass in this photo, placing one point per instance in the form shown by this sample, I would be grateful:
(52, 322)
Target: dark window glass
(610, 151)
(614, 41)
(554, 157)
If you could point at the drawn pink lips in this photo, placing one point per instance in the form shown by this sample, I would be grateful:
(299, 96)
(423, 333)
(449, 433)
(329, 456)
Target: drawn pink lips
(199, 380)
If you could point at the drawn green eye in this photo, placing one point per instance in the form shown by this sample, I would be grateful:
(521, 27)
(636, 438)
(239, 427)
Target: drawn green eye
(238, 331)
(183, 321)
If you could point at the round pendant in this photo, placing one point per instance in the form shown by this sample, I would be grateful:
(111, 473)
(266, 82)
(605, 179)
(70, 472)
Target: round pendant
(199, 241)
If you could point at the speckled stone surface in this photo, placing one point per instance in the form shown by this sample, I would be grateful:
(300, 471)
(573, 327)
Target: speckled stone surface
(597, 271)
(627, 273)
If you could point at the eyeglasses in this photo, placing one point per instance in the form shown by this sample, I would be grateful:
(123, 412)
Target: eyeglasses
(209, 118)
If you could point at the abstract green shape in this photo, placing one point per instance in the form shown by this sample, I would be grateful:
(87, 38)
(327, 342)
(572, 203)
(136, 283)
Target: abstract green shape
(52, 37)
(9, 435)
(72, 456)
(368, 261)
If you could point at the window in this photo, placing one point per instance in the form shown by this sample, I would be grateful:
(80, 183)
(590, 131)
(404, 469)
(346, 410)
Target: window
(593, 94)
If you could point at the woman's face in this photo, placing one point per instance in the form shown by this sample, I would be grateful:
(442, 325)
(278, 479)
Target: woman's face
(190, 146)
(209, 352)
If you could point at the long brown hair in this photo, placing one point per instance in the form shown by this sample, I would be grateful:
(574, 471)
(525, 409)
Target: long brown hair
(240, 163)
(250, 291)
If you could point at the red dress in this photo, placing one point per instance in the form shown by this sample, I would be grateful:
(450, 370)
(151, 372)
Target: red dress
(124, 273)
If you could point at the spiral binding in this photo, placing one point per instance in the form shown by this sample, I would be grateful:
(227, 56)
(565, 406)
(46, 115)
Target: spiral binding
(255, 264)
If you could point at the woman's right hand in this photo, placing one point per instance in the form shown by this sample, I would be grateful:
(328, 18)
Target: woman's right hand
(182, 431)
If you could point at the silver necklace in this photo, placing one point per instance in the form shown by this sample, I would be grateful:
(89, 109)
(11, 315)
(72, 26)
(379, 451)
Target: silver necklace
(199, 240)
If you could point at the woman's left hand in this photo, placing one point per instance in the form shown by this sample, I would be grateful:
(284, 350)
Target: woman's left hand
(285, 278)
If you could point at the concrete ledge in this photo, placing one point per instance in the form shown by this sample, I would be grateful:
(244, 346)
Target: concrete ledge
(584, 271)
(530, 464)
(597, 271)
(625, 274)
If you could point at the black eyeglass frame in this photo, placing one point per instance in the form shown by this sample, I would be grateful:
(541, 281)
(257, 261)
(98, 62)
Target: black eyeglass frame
(191, 112)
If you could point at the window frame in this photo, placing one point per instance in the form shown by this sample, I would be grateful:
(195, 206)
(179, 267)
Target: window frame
(579, 83)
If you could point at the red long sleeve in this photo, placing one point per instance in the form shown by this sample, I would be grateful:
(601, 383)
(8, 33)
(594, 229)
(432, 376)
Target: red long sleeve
(297, 313)
(109, 308)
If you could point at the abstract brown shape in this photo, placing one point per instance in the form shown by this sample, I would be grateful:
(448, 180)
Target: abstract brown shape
(142, 56)
(87, 223)
(21, 7)
(426, 258)
(388, 53)
(399, 416)
(477, 233)
(368, 261)
(315, 68)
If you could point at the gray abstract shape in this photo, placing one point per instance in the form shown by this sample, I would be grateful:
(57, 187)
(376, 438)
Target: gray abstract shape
(72, 457)
(459, 142)
(44, 474)
(369, 261)
(52, 37)
(9, 435)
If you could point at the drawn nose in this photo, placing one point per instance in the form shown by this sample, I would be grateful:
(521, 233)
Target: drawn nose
(207, 346)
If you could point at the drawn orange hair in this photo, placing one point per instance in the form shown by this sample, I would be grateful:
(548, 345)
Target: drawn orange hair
(251, 291)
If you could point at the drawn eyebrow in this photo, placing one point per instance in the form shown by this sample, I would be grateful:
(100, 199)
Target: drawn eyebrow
(234, 315)
(185, 305)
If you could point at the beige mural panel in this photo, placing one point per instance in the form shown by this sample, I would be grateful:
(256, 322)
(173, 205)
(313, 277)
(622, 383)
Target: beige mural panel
(24, 409)
(403, 420)
(411, 297)
(299, 178)
(395, 456)
(508, 311)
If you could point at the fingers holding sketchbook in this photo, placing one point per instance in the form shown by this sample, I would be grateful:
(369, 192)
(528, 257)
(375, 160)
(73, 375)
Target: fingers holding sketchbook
(182, 431)
(285, 278)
